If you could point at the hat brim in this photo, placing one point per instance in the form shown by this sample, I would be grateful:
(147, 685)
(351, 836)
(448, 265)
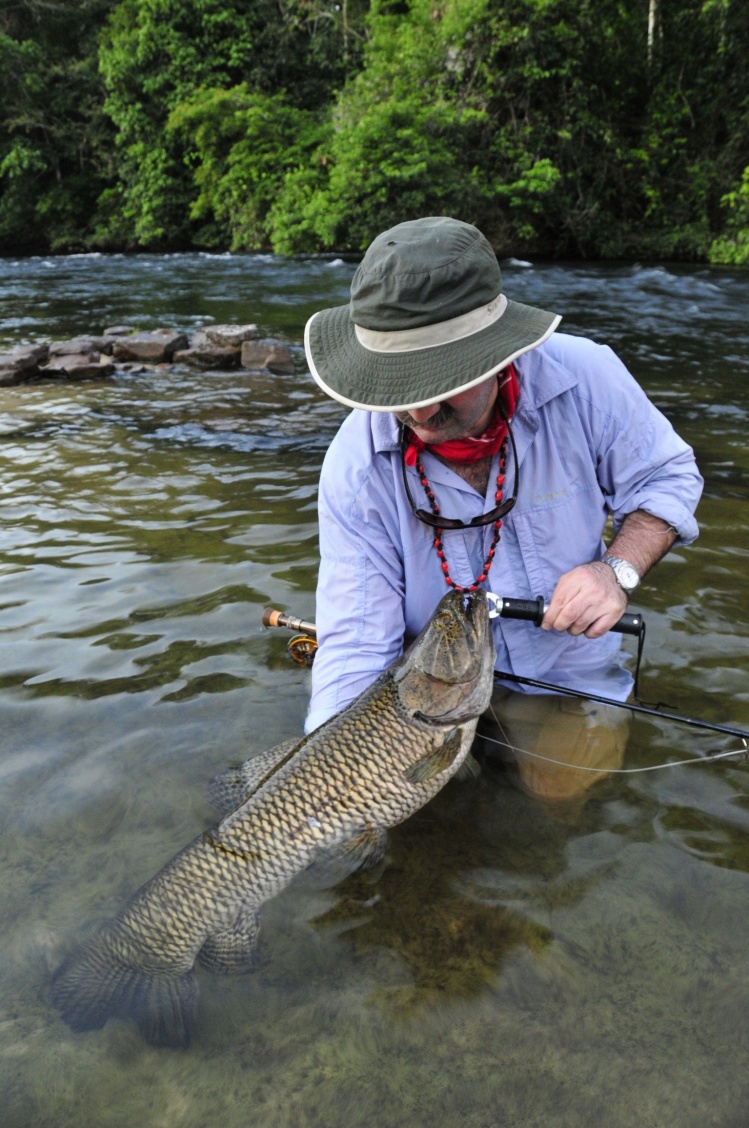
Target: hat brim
(377, 381)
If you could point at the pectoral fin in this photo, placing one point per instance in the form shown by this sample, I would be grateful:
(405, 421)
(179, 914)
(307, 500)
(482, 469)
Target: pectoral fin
(232, 952)
(332, 864)
(437, 760)
(469, 769)
(367, 849)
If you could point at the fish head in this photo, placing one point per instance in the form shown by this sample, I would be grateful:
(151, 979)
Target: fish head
(446, 676)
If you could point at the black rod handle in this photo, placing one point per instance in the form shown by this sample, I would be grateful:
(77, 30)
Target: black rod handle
(533, 610)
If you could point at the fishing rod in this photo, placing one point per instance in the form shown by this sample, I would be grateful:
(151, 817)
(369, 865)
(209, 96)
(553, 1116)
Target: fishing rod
(273, 618)
(634, 707)
(302, 646)
(533, 611)
(302, 649)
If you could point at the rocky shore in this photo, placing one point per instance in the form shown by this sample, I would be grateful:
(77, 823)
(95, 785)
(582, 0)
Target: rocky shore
(123, 348)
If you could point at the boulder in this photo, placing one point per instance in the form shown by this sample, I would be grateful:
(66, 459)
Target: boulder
(208, 356)
(78, 346)
(155, 347)
(269, 353)
(78, 366)
(21, 363)
(217, 347)
(131, 367)
(226, 336)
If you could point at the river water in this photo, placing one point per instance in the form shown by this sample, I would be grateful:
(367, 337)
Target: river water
(504, 966)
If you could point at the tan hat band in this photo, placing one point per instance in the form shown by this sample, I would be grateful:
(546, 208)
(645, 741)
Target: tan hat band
(433, 336)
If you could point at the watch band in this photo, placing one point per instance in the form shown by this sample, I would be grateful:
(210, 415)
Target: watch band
(626, 574)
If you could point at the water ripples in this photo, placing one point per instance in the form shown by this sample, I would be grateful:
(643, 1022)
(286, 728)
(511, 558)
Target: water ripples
(504, 963)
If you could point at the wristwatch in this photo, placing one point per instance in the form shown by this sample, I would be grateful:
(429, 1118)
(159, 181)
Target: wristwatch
(626, 574)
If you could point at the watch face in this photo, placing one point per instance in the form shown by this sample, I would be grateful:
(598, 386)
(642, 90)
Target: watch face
(627, 576)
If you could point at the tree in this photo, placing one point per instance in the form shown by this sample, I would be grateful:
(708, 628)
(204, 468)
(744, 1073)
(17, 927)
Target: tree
(155, 56)
(404, 137)
(54, 137)
(613, 128)
(546, 122)
(733, 245)
(243, 144)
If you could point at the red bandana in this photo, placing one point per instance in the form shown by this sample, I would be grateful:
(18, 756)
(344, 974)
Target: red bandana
(474, 447)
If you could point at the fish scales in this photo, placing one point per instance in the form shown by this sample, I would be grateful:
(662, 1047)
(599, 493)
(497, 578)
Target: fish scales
(364, 771)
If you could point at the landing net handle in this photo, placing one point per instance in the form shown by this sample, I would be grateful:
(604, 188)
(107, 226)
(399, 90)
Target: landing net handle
(302, 647)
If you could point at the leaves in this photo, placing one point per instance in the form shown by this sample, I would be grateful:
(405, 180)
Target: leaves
(242, 144)
(733, 246)
(559, 128)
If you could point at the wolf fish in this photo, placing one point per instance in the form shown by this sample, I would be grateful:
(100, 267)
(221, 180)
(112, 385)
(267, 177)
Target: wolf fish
(337, 790)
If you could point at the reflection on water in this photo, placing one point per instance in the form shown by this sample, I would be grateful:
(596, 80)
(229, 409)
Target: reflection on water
(502, 966)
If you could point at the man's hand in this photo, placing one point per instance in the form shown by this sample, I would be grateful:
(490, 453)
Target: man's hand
(587, 600)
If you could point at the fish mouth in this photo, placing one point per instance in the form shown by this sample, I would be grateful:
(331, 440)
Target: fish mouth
(452, 647)
(447, 720)
(466, 702)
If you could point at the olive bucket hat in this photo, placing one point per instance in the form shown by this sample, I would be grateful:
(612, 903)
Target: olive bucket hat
(427, 319)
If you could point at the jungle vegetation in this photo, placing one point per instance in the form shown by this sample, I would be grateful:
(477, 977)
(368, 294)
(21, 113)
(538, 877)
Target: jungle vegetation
(566, 128)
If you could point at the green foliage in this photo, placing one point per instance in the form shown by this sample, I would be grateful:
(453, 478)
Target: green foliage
(694, 127)
(402, 135)
(559, 127)
(243, 144)
(54, 137)
(400, 160)
(543, 121)
(154, 53)
(733, 246)
(157, 55)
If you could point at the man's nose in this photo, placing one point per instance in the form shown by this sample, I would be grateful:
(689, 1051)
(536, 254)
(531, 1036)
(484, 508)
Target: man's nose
(422, 414)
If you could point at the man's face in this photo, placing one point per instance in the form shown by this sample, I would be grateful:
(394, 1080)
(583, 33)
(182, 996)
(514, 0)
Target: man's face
(467, 413)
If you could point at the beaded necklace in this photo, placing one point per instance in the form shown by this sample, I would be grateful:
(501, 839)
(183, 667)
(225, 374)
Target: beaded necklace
(439, 548)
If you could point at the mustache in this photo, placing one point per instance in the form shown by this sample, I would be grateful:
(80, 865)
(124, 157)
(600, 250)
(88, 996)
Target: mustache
(445, 414)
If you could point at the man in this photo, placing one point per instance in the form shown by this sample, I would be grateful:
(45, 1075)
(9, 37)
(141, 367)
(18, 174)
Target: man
(424, 486)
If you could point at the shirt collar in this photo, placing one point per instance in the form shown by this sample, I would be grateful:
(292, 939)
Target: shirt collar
(385, 431)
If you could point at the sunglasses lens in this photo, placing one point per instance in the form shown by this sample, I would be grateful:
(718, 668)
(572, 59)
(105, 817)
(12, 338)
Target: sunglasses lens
(437, 522)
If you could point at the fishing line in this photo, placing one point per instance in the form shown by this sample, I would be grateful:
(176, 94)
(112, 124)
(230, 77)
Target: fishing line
(632, 706)
(610, 771)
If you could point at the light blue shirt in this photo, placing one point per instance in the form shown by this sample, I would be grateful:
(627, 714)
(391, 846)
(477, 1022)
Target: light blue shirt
(589, 443)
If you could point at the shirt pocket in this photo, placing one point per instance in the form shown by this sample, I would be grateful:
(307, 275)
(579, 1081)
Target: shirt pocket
(558, 530)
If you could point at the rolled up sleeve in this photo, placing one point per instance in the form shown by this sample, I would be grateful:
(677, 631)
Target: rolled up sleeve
(642, 462)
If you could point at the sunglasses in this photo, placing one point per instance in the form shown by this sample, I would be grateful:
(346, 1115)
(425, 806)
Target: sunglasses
(436, 520)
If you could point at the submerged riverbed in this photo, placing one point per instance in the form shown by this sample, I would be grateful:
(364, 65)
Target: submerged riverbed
(503, 966)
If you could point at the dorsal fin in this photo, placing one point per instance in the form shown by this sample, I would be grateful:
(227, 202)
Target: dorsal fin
(232, 788)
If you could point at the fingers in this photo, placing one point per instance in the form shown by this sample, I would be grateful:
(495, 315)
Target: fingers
(587, 600)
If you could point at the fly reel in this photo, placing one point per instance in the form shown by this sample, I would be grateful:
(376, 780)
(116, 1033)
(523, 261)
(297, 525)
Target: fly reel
(302, 647)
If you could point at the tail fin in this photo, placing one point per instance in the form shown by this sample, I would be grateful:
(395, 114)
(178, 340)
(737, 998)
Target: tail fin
(94, 985)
